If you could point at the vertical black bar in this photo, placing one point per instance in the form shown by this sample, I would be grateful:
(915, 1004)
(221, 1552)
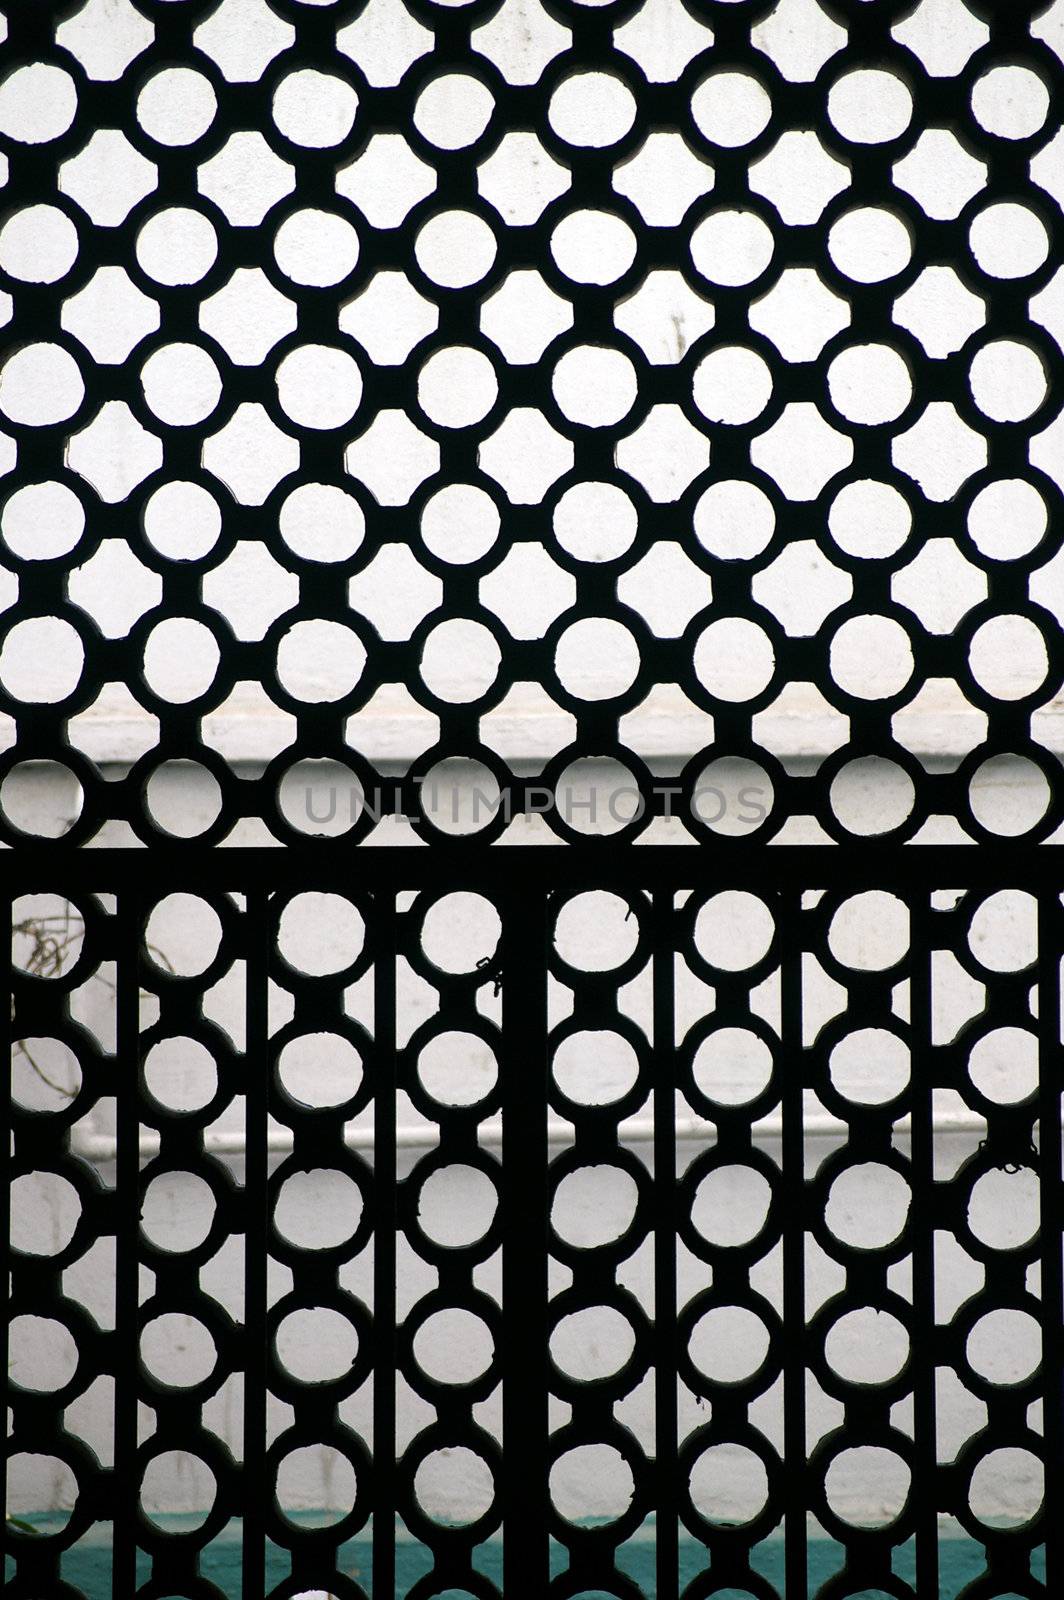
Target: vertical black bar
(922, 1228)
(1051, 1195)
(256, 1176)
(525, 1203)
(792, 1157)
(665, 1419)
(384, 1251)
(130, 919)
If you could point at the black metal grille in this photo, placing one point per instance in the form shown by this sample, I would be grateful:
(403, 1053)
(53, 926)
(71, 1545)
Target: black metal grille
(757, 951)
(767, 456)
(693, 367)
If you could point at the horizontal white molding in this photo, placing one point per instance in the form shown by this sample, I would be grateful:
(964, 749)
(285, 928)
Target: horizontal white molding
(103, 1147)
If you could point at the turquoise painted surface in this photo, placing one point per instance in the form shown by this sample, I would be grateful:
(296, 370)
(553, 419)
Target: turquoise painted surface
(87, 1564)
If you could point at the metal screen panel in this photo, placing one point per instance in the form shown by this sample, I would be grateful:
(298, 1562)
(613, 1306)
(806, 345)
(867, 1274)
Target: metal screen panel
(854, 1232)
(700, 372)
(428, 429)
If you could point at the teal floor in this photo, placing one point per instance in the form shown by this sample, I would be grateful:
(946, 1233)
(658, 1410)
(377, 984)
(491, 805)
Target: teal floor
(87, 1564)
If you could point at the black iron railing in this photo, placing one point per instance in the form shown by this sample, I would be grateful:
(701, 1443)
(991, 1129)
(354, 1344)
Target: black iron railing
(692, 1197)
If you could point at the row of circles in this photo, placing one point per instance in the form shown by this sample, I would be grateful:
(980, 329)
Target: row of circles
(743, 1474)
(324, 934)
(459, 660)
(596, 109)
(457, 248)
(730, 1071)
(728, 1344)
(592, 521)
(320, 387)
(999, 791)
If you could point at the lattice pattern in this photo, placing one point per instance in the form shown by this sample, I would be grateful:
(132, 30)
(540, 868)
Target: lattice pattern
(404, 389)
(749, 1331)
(452, 370)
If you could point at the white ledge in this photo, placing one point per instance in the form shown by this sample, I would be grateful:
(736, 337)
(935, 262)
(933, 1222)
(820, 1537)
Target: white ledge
(103, 1147)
